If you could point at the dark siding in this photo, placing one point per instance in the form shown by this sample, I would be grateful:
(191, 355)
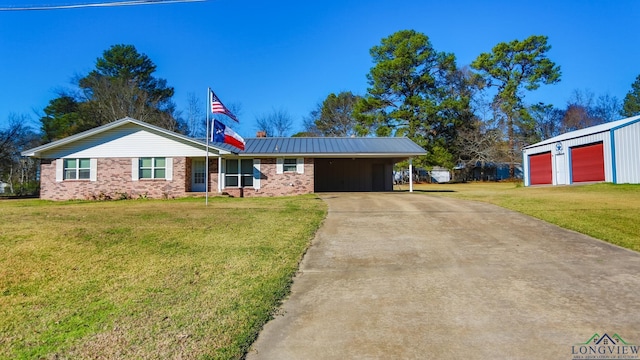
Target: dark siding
(353, 175)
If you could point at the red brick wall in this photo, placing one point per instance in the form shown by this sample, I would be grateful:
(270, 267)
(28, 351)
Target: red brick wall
(114, 181)
(272, 184)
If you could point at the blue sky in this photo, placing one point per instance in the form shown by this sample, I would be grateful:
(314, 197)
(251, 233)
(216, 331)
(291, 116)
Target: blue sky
(290, 55)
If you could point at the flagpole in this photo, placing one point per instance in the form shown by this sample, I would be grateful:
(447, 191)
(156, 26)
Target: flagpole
(206, 164)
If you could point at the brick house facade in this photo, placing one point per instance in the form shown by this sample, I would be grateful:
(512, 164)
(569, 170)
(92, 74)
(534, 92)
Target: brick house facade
(114, 181)
(130, 159)
(287, 183)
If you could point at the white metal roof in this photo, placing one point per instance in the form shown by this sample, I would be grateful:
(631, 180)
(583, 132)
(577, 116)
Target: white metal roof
(586, 131)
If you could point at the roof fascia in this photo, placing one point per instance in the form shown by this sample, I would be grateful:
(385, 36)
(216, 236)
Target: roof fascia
(562, 137)
(332, 155)
(112, 125)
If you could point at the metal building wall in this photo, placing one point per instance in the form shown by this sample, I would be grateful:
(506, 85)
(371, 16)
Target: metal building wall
(562, 168)
(621, 146)
(626, 141)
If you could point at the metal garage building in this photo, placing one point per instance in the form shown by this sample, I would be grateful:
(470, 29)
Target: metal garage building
(608, 152)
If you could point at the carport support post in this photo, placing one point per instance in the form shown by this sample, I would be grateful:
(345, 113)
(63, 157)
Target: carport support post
(219, 174)
(410, 174)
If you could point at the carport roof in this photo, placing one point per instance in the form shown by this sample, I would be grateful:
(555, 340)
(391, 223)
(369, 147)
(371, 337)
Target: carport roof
(331, 146)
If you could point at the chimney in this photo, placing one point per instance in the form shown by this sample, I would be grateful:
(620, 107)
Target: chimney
(261, 134)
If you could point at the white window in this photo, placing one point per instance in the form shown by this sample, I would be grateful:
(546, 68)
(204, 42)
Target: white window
(284, 165)
(152, 168)
(77, 169)
(239, 173)
(289, 165)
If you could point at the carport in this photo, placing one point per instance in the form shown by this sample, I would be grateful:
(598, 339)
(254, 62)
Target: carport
(360, 164)
(353, 174)
(330, 164)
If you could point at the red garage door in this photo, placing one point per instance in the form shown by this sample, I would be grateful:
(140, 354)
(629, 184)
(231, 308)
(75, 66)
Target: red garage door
(540, 169)
(587, 163)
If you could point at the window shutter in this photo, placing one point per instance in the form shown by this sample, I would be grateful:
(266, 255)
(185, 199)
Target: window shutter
(279, 165)
(59, 170)
(93, 169)
(135, 167)
(168, 172)
(256, 173)
(300, 165)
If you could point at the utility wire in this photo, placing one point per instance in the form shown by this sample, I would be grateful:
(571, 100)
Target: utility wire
(98, 4)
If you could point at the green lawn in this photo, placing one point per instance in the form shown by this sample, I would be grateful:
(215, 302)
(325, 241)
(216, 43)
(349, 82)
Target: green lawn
(153, 279)
(147, 279)
(605, 211)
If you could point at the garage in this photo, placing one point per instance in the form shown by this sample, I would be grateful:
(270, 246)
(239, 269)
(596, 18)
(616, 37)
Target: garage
(540, 170)
(607, 152)
(587, 163)
(353, 174)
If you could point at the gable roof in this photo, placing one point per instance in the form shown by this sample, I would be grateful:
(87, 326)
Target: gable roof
(35, 152)
(588, 131)
(387, 147)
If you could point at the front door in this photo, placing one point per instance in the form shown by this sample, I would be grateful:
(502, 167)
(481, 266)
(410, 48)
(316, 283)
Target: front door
(561, 166)
(197, 175)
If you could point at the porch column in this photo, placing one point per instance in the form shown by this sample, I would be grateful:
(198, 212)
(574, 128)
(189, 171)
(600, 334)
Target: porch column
(410, 174)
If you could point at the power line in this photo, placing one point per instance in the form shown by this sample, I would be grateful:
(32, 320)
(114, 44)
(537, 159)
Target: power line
(99, 4)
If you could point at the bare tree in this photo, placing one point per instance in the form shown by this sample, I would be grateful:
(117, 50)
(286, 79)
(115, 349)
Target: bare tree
(607, 108)
(195, 116)
(263, 123)
(277, 123)
(584, 110)
(548, 120)
(14, 169)
(309, 125)
(111, 99)
(479, 145)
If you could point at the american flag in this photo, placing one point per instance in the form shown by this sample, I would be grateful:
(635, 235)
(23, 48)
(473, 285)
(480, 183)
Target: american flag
(217, 107)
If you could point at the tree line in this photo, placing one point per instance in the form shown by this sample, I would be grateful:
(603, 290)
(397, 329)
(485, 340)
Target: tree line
(462, 115)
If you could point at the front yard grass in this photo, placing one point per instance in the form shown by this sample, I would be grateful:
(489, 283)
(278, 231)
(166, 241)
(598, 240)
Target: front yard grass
(605, 211)
(146, 279)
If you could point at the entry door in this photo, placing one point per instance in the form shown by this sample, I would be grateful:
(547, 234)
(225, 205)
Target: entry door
(197, 175)
(378, 177)
(561, 168)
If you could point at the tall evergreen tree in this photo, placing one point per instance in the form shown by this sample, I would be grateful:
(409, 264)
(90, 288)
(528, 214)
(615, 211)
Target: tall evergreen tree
(631, 104)
(514, 67)
(417, 92)
(121, 85)
(334, 117)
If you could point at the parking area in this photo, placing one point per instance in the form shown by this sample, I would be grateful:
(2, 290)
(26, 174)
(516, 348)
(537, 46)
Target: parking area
(406, 275)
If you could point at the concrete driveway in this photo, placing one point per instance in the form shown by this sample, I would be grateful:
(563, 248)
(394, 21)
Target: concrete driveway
(412, 276)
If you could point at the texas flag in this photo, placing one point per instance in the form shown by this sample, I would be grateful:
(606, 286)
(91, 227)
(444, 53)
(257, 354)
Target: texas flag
(222, 133)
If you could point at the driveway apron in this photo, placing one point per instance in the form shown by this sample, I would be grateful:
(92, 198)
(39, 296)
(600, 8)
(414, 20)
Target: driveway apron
(413, 276)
